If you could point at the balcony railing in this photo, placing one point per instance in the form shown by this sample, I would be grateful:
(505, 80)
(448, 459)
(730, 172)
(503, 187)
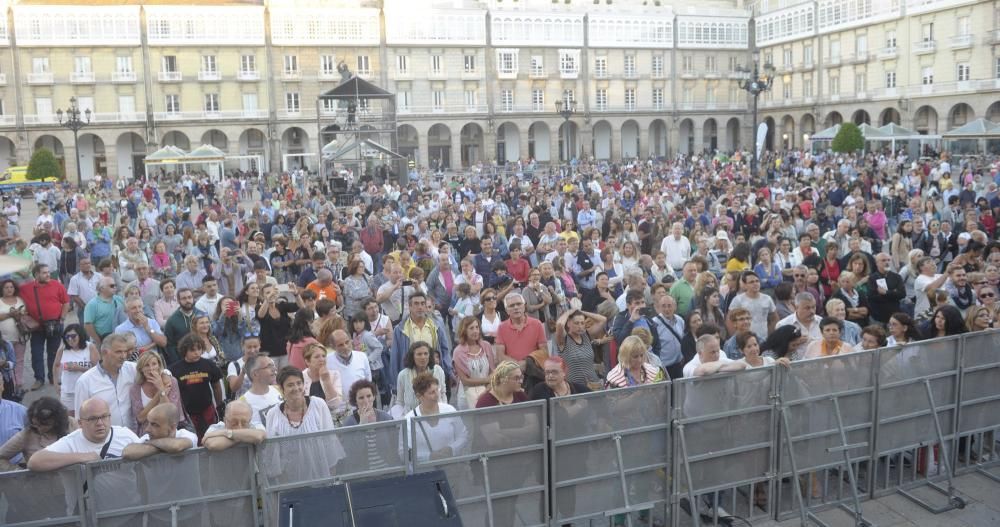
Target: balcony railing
(206, 115)
(446, 109)
(472, 75)
(291, 75)
(402, 74)
(538, 74)
(328, 75)
(248, 75)
(81, 77)
(209, 75)
(44, 77)
(601, 74)
(123, 76)
(7, 120)
(437, 75)
(925, 46)
(3, 79)
(833, 60)
(961, 41)
(569, 74)
(888, 53)
(712, 74)
(630, 74)
(507, 74)
(993, 36)
(171, 76)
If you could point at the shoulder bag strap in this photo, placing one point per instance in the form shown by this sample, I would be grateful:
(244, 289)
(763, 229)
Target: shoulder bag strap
(38, 302)
(107, 445)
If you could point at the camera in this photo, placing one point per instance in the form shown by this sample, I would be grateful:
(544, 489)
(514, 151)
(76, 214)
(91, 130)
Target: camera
(407, 283)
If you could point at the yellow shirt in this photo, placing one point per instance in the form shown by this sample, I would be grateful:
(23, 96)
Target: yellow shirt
(735, 265)
(427, 332)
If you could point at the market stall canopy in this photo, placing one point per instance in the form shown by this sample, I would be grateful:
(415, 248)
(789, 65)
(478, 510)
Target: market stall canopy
(974, 129)
(894, 131)
(167, 154)
(205, 153)
(826, 135)
(870, 133)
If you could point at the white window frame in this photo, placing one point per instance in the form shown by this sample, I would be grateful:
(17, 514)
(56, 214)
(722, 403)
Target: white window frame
(211, 103)
(537, 100)
(172, 103)
(630, 99)
(293, 103)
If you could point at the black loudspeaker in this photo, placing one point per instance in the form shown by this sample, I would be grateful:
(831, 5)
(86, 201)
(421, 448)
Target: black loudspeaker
(420, 500)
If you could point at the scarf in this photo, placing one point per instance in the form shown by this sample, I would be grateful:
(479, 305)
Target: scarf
(963, 297)
(583, 260)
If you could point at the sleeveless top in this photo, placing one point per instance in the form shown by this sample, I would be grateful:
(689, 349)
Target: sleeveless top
(579, 359)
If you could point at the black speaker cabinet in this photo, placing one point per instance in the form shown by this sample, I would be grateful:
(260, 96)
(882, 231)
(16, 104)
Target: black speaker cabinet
(420, 500)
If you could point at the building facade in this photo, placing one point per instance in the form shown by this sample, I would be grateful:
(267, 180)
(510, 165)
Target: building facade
(478, 80)
(928, 65)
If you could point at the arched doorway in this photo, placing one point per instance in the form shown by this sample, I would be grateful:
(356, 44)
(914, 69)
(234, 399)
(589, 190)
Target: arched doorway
(472, 144)
(216, 138)
(569, 131)
(602, 140)
(92, 157)
(686, 136)
(788, 132)
(630, 139)
(54, 145)
(769, 138)
(130, 150)
(658, 138)
(710, 136)
(294, 146)
(808, 127)
(993, 112)
(833, 119)
(925, 121)
(8, 155)
(253, 143)
(178, 139)
(508, 143)
(439, 147)
(539, 142)
(959, 115)
(861, 117)
(889, 115)
(408, 141)
(733, 134)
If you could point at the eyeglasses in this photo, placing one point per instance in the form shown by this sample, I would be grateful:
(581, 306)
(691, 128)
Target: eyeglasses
(96, 418)
(987, 295)
(489, 299)
(71, 335)
(552, 373)
(799, 275)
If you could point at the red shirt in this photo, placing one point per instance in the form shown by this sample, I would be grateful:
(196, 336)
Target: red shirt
(518, 269)
(519, 343)
(52, 297)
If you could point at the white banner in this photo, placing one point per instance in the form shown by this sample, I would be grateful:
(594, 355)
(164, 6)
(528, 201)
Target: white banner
(761, 136)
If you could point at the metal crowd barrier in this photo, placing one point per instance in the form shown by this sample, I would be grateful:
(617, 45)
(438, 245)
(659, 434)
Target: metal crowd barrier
(754, 444)
(610, 454)
(327, 458)
(496, 460)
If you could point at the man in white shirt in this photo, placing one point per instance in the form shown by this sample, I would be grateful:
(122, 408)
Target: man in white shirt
(208, 301)
(352, 365)
(807, 321)
(763, 312)
(710, 359)
(234, 429)
(162, 434)
(263, 394)
(676, 246)
(110, 380)
(96, 439)
(83, 286)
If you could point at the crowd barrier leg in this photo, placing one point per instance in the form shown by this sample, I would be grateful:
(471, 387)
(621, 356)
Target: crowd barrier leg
(692, 502)
(805, 515)
(629, 507)
(954, 502)
(485, 461)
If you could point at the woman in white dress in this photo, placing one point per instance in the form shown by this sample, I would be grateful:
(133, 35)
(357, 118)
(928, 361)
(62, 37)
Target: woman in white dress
(436, 438)
(299, 459)
(418, 359)
(75, 356)
(474, 361)
(11, 308)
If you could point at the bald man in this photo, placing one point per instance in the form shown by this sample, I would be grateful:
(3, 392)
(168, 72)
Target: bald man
(236, 428)
(162, 434)
(95, 439)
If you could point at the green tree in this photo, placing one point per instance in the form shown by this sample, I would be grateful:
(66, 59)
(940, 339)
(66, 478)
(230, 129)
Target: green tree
(848, 139)
(44, 165)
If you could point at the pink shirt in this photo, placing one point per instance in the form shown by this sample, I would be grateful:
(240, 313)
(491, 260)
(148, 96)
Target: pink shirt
(518, 344)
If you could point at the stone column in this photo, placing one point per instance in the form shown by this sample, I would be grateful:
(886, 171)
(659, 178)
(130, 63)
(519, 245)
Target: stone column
(643, 142)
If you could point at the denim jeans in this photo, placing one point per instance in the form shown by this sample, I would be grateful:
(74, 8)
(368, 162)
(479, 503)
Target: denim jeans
(43, 353)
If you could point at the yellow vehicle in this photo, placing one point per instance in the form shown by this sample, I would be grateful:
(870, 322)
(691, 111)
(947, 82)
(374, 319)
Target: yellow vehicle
(17, 178)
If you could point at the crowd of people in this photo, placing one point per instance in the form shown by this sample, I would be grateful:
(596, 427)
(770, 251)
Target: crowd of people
(269, 311)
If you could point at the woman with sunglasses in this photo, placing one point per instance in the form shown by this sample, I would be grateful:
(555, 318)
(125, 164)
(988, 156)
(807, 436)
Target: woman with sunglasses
(75, 356)
(47, 421)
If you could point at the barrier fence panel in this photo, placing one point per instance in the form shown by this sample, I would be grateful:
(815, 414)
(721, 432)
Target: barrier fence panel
(42, 498)
(610, 453)
(724, 446)
(827, 426)
(979, 411)
(196, 488)
(496, 460)
(327, 458)
(917, 407)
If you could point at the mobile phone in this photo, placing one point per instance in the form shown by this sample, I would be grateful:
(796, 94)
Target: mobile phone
(407, 282)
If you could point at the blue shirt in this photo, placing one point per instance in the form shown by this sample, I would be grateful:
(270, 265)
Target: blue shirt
(12, 420)
(142, 339)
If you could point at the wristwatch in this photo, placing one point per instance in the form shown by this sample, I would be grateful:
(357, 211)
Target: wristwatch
(229, 435)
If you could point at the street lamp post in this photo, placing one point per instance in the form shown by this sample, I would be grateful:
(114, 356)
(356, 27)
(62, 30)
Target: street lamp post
(756, 83)
(75, 123)
(566, 110)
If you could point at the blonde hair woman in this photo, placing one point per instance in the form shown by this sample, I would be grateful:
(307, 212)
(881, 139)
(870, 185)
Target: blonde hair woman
(153, 385)
(505, 386)
(320, 381)
(632, 368)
